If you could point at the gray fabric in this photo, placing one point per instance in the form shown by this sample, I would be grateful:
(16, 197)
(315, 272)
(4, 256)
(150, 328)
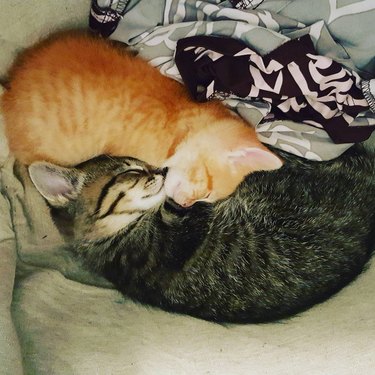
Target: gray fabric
(23, 23)
(10, 353)
(350, 22)
(154, 30)
(66, 327)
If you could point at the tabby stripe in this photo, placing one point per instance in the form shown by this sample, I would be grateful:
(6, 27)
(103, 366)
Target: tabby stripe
(113, 205)
(135, 183)
(130, 212)
(104, 193)
(105, 190)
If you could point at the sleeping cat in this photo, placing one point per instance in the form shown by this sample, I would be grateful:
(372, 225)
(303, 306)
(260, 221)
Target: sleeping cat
(75, 96)
(282, 242)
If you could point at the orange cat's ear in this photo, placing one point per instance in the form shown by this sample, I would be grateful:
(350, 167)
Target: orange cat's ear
(254, 158)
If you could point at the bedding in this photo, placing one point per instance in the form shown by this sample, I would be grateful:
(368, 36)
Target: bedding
(57, 318)
(154, 31)
(299, 84)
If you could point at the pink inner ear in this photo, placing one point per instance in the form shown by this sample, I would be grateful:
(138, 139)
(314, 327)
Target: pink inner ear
(57, 186)
(50, 182)
(257, 159)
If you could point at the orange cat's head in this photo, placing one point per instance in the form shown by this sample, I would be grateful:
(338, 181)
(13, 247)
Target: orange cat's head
(211, 169)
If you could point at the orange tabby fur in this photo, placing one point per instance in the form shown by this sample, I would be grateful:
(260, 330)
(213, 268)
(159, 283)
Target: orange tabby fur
(75, 96)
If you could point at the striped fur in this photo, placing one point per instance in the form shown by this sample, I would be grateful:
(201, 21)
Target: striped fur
(282, 242)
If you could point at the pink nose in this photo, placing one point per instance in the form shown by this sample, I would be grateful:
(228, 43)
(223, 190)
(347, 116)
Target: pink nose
(187, 203)
(183, 200)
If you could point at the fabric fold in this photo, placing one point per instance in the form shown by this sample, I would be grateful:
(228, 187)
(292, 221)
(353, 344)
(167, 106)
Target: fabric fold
(153, 33)
(299, 84)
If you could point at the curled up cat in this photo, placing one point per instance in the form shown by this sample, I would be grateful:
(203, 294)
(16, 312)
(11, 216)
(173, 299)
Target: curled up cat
(283, 241)
(75, 96)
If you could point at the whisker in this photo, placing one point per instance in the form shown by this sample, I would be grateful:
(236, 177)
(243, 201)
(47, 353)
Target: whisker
(110, 157)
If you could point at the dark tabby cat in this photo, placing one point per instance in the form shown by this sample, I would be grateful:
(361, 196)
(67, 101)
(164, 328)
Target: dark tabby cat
(282, 242)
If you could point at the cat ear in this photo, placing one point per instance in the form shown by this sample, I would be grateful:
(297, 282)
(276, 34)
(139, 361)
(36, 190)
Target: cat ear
(258, 159)
(58, 185)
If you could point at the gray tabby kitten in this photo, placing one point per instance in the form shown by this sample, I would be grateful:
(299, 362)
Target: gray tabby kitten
(282, 242)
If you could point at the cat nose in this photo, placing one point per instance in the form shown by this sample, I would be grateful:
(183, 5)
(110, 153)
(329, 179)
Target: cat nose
(187, 203)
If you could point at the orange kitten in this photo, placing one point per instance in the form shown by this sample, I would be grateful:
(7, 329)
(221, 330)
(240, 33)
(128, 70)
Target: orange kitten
(76, 96)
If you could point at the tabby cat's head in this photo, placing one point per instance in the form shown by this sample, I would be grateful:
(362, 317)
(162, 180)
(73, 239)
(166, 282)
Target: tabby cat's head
(103, 195)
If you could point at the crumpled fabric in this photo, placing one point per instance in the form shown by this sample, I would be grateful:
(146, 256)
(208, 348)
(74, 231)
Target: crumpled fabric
(153, 32)
(299, 84)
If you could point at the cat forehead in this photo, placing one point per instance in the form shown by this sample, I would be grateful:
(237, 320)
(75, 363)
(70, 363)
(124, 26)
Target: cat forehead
(106, 165)
(116, 179)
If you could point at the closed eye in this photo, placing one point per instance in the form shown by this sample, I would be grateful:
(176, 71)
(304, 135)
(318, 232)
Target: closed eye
(133, 171)
(130, 173)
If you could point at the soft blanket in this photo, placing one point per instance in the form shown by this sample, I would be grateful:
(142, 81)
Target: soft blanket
(153, 31)
(57, 318)
(299, 84)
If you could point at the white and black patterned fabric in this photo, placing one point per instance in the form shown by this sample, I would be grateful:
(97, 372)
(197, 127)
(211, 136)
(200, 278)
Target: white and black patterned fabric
(152, 29)
(300, 84)
(245, 4)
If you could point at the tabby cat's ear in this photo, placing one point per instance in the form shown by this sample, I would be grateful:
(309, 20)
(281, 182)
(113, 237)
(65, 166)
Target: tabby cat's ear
(58, 185)
(257, 159)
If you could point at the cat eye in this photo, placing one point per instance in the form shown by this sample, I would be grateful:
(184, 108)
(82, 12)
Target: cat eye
(132, 171)
(137, 171)
(129, 174)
